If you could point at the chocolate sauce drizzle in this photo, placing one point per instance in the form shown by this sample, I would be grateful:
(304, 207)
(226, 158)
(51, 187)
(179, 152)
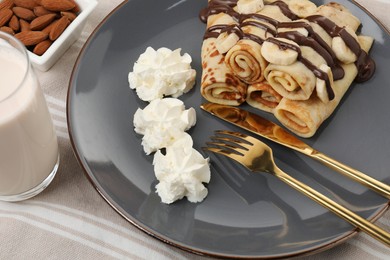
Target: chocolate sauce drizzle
(316, 42)
(218, 6)
(304, 41)
(364, 63)
(285, 10)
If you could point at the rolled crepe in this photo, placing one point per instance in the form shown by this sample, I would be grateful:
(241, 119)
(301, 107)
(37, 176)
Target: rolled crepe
(295, 81)
(219, 85)
(244, 58)
(339, 14)
(246, 61)
(262, 96)
(304, 117)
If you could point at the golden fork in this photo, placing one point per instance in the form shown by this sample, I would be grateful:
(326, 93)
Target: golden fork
(258, 157)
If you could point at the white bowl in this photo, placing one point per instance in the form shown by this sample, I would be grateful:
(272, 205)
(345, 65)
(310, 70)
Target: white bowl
(67, 38)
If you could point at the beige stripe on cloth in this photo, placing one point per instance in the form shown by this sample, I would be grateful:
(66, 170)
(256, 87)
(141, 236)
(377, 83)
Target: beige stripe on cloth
(69, 220)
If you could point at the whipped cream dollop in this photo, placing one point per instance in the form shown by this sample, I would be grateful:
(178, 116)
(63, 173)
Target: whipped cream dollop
(180, 169)
(181, 172)
(162, 73)
(162, 122)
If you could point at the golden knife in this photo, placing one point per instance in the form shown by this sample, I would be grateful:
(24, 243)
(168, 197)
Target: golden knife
(267, 129)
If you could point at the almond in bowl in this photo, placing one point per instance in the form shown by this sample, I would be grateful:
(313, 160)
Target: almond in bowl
(46, 27)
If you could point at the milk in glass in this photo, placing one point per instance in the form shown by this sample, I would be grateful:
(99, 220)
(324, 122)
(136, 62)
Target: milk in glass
(28, 143)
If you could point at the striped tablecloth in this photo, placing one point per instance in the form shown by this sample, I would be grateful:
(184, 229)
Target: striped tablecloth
(69, 220)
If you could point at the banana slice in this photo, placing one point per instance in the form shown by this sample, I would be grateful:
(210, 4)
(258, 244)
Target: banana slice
(220, 19)
(322, 33)
(341, 50)
(274, 12)
(302, 8)
(311, 55)
(249, 6)
(226, 41)
(259, 32)
(301, 30)
(275, 54)
(322, 93)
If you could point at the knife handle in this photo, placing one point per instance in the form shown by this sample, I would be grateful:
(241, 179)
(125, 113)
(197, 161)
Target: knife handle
(356, 175)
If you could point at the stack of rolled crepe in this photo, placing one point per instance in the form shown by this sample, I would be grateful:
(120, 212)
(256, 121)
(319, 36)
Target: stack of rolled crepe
(219, 84)
(293, 59)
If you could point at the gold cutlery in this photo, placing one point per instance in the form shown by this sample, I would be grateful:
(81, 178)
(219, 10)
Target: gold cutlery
(257, 157)
(267, 129)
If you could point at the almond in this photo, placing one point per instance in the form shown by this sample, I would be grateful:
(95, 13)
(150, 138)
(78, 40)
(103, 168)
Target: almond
(58, 28)
(42, 47)
(6, 4)
(40, 10)
(76, 9)
(29, 4)
(47, 29)
(70, 15)
(7, 29)
(42, 21)
(23, 13)
(5, 16)
(58, 5)
(30, 38)
(24, 25)
(14, 23)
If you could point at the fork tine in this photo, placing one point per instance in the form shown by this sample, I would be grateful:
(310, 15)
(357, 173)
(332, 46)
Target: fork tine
(228, 147)
(243, 137)
(233, 137)
(235, 156)
(231, 142)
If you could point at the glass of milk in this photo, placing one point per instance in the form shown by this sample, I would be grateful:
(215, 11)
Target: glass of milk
(29, 155)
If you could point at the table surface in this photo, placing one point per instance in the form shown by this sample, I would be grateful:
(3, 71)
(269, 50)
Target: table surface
(70, 220)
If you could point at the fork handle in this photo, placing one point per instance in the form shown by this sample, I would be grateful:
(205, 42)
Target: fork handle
(354, 219)
(356, 175)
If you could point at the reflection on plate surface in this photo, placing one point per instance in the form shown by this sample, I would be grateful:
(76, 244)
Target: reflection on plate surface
(244, 215)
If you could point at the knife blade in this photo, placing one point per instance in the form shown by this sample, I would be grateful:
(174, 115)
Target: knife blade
(265, 128)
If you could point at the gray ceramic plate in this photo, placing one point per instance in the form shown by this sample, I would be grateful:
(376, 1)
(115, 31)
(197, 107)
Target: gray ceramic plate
(244, 215)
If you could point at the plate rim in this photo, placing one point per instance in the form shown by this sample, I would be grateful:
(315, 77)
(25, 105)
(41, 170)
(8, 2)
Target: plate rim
(163, 238)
